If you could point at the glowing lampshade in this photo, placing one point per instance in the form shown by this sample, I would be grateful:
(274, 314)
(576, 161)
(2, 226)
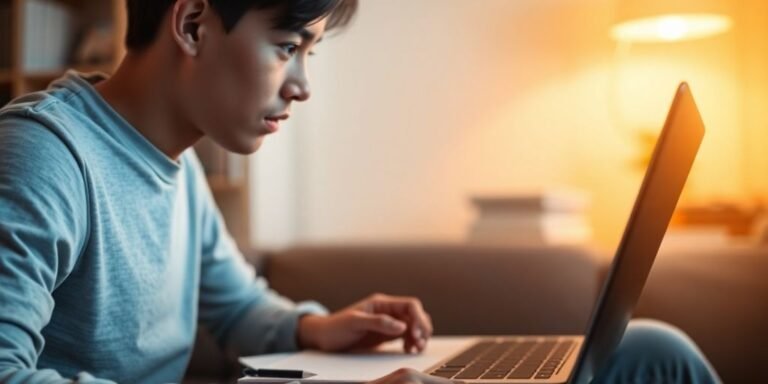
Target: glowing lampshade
(652, 21)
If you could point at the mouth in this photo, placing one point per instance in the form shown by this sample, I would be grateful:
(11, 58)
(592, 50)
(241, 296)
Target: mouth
(272, 123)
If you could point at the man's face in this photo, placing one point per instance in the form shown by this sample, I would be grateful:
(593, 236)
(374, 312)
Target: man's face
(241, 84)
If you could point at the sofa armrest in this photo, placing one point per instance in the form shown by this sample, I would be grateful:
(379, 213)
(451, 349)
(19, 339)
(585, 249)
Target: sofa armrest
(719, 297)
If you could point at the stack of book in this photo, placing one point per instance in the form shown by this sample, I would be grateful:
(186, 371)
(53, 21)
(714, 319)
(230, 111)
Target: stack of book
(531, 219)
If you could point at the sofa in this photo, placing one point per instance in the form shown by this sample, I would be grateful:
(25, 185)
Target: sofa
(716, 294)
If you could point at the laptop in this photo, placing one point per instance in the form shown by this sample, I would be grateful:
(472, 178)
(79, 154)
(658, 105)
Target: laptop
(546, 358)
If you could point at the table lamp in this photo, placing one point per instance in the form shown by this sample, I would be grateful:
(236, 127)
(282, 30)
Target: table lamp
(658, 21)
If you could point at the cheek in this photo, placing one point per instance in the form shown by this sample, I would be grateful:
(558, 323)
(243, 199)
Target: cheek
(256, 75)
(238, 85)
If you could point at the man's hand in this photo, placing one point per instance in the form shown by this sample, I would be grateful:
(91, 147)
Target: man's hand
(368, 323)
(409, 376)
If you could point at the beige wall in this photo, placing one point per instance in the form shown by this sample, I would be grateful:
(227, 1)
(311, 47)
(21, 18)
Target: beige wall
(426, 102)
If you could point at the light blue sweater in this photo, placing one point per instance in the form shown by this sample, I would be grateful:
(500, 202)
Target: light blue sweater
(111, 252)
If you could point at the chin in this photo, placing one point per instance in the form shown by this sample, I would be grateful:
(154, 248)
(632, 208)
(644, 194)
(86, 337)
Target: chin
(243, 142)
(256, 145)
(246, 147)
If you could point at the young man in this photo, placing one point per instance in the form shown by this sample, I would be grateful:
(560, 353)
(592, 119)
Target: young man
(111, 247)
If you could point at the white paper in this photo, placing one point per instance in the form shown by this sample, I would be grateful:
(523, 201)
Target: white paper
(356, 368)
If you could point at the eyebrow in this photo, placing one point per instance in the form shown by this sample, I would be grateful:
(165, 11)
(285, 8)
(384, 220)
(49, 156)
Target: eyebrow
(307, 35)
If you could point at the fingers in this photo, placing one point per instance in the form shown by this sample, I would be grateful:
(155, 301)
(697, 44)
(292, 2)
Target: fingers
(408, 309)
(410, 376)
(380, 323)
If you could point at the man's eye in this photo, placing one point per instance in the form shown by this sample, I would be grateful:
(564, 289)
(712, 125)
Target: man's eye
(289, 48)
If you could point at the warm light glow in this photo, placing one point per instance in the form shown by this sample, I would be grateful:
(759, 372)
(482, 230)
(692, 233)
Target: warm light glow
(669, 28)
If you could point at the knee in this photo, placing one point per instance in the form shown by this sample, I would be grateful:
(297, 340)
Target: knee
(655, 339)
(652, 351)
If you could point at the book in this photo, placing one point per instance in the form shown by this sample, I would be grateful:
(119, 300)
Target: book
(531, 229)
(547, 218)
(553, 201)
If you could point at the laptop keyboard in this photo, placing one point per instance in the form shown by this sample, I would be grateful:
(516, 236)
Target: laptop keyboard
(507, 359)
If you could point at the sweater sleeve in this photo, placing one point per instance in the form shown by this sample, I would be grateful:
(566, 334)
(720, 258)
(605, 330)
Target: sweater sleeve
(238, 307)
(43, 229)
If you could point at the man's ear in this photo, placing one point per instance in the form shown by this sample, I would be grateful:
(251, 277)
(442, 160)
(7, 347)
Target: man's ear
(188, 24)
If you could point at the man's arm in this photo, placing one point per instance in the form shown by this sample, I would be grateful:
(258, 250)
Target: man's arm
(43, 222)
(236, 306)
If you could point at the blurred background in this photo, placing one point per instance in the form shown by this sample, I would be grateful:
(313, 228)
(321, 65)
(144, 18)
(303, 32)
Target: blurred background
(455, 150)
(424, 110)
(424, 105)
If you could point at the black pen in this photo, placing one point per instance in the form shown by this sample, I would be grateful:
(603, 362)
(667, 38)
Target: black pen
(278, 373)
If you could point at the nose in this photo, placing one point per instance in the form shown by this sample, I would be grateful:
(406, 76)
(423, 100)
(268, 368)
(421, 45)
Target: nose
(296, 87)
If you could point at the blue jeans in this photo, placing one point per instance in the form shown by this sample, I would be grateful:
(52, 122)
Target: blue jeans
(654, 352)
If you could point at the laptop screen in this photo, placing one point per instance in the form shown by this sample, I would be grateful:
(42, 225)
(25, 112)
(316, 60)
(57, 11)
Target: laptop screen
(672, 159)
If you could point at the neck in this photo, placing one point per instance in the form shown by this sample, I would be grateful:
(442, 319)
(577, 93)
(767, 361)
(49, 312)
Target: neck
(142, 92)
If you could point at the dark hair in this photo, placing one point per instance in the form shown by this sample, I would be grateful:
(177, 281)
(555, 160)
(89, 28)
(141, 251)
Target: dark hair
(145, 16)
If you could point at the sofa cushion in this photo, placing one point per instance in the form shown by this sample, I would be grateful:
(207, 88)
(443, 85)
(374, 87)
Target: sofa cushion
(478, 290)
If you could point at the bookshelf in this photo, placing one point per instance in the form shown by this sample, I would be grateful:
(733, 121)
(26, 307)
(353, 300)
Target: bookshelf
(41, 39)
